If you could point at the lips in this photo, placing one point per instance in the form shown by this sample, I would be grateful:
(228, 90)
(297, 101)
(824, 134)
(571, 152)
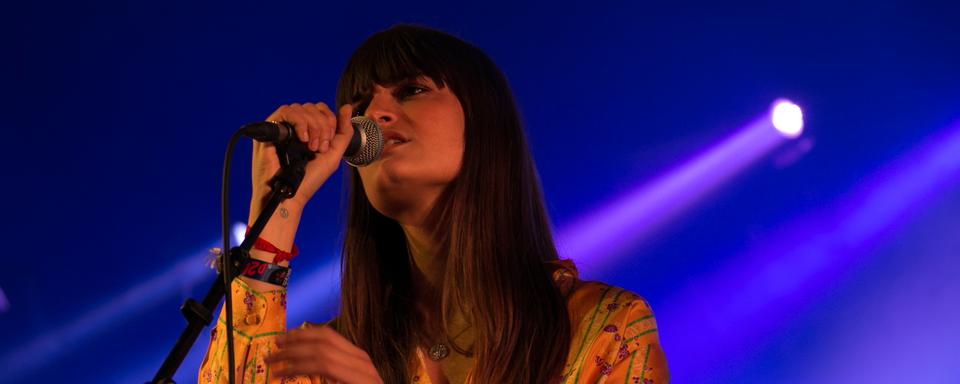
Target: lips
(393, 137)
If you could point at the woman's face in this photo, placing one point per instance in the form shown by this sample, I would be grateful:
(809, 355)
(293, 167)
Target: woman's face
(423, 129)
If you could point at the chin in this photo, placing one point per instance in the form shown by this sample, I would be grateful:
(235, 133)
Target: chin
(401, 191)
(403, 202)
(385, 191)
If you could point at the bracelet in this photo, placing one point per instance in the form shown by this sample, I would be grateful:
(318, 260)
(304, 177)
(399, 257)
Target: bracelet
(255, 269)
(280, 255)
(266, 272)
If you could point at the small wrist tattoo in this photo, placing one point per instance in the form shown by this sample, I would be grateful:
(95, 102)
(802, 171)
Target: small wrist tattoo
(284, 213)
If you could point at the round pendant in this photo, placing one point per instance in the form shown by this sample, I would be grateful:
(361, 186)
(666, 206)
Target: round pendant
(438, 351)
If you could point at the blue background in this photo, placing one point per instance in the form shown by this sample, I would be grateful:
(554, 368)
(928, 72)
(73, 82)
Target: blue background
(117, 115)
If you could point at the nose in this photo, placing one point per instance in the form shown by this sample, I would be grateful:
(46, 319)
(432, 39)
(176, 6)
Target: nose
(382, 108)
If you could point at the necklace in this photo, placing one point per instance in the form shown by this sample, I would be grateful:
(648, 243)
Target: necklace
(438, 351)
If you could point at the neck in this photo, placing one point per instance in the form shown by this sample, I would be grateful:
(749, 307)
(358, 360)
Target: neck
(429, 264)
(427, 277)
(427, 261)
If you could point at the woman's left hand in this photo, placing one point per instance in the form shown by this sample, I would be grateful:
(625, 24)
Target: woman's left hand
(321, 351)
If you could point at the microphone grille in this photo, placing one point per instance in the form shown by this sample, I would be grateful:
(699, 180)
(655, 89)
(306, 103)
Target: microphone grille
(371, 141)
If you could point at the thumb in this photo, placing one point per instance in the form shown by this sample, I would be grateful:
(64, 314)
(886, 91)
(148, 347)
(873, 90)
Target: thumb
(341, 139)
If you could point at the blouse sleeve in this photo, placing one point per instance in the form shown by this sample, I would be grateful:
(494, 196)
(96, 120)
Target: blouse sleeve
(259, 317)
(637, 357)
(622, 345)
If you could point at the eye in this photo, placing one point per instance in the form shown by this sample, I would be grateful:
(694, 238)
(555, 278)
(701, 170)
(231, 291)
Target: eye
(408, 90)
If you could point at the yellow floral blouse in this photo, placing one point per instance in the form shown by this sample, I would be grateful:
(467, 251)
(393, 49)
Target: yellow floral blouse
(614, 336)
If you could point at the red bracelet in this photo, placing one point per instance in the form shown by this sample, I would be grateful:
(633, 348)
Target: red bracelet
(266, 246)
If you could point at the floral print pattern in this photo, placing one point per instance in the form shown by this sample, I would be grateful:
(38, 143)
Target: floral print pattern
(615, 338)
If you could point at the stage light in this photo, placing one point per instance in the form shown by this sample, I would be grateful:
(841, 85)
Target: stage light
(787, 118)
(317, 295)
(239, 231)
(774, 281)
(4, 303)
(595, 240)
(56, 342)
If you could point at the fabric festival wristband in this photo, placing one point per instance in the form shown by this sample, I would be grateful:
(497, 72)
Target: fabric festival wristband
(279, 254)
(266, 272)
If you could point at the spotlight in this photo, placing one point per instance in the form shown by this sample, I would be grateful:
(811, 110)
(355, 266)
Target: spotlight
(798, 263)
(597, 239)
(239, 232)
(4, 303)
(787, 118)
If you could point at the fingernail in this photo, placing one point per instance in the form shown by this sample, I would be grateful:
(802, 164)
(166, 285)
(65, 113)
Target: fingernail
(325, 146)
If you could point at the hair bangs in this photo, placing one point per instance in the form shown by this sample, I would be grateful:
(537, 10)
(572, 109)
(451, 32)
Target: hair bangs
(402, 53)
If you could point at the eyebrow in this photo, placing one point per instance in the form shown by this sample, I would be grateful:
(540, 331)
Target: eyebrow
(363, 97)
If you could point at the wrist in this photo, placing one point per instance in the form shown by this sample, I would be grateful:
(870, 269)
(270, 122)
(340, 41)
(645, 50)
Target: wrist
(266, 272)
(261, 196)
(281, 228)
(267, 257)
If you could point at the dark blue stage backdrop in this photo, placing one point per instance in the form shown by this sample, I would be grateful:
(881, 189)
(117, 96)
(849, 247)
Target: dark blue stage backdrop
(826, 255)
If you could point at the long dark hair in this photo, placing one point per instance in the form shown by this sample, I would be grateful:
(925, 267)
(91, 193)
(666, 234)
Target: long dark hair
(494, 229)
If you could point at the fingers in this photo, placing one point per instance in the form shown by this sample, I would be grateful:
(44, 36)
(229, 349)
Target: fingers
(304, 358)
(323, 335)
(320, 351)
(314, 124)
(296, 115)
(344, 129)
(306, 124)
(329, 128)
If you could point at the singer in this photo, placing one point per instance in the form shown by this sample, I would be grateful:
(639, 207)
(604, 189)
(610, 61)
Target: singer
(449, 270)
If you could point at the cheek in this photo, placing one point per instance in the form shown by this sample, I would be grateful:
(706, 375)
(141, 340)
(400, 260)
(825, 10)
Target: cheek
(445, 154)
(451, 146)
(452, 159)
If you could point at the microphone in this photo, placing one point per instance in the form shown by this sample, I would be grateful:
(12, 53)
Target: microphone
(364, 148)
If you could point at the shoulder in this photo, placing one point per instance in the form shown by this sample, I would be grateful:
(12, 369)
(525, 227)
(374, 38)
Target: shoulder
(613, 332)
(591, 303)
(605, 313)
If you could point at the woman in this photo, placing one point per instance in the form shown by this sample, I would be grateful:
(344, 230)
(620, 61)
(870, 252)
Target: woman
(449, 271)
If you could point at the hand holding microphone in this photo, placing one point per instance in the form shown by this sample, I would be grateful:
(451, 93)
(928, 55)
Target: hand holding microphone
(364, 146)
(327, 134)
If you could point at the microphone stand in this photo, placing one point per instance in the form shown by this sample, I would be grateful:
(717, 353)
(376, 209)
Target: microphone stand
(293, 156)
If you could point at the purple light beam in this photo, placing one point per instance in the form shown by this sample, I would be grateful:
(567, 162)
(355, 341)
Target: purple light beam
(51, 345)
(4, 303)
(720, 319)
(595, 240)
(314, 295)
